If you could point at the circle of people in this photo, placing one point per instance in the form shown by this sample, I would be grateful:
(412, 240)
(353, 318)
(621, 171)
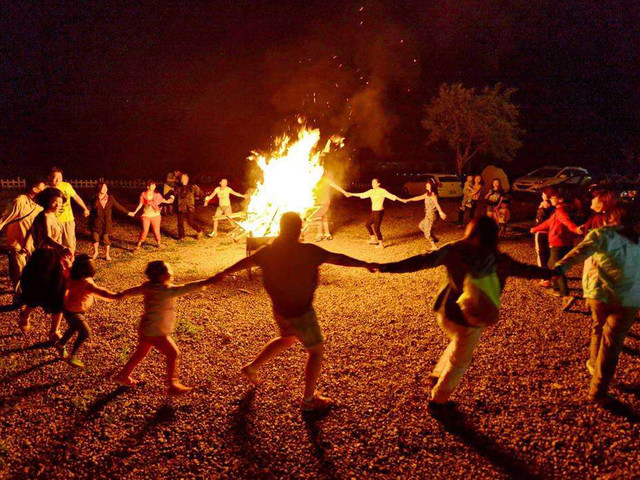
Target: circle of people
(46, 274)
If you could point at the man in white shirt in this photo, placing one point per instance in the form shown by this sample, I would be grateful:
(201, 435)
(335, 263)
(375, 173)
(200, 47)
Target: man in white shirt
(377, 194)
(224, 203)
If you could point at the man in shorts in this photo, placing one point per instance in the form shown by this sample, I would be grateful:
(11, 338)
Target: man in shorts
(290, 276)
(65, 215)
(224, 203)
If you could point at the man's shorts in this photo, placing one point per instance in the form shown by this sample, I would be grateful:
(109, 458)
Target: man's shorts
(69, 235)
(226, 210)
(305, 328)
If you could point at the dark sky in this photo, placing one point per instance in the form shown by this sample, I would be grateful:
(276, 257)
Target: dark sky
(132, 89)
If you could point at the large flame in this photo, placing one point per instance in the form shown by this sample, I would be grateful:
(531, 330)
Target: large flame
(290, 174)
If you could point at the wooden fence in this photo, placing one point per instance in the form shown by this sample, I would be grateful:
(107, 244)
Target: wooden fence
(19, 183)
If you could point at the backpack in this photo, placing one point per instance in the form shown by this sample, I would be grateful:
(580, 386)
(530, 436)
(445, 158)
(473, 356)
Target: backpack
(480, 299)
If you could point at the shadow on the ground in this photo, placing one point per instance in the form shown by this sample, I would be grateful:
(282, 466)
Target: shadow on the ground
(313, 421)
(241, 433)
(456, 423)
(15, 397)
(630, 389)
(20, 373)
(29, 348)
(631, 351)
(619, 409)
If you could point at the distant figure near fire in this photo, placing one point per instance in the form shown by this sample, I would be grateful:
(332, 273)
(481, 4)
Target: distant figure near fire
(322, 195)
(290, 276)
(224, 203)
(377, 194)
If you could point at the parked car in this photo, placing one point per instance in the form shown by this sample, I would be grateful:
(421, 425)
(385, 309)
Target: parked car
(548, 176)
(449, 186)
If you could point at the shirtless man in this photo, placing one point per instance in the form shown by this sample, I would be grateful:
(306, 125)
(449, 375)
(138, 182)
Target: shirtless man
(224, 203)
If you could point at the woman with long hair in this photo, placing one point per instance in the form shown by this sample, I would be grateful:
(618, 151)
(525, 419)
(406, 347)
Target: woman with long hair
(101, 218)
(612, 288)
(494, 198)
(150, 202)
(469, 300)
(431, 206)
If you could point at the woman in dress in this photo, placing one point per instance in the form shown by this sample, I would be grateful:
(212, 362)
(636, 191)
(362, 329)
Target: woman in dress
(431, 206)
(101, 219)
(150, 202)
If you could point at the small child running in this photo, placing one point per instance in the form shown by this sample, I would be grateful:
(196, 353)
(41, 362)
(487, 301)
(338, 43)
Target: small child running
(157, 323)
(80, 293)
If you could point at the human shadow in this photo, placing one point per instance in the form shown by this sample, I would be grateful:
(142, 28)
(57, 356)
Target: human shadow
(456, 423)
(313, 423)
(9, 400)
(164, 414)
(9, 335)
(240, 430)
(20, 373)
(619, 409)
(630, 389)
(631, 351)
(29, 348)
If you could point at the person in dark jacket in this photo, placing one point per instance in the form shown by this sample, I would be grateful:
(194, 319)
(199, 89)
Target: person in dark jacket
(562, 233)
(541, 239)
(186, 194)
(476, 255)
(101, 219)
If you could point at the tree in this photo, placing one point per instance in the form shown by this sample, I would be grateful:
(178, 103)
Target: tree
(473, 122)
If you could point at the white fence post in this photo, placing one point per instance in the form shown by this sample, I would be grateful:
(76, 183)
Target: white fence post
(21, 183)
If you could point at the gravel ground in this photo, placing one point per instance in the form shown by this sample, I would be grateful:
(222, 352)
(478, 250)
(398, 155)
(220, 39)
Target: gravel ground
(521, 407)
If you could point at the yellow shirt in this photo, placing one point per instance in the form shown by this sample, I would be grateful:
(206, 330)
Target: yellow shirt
(66, 213)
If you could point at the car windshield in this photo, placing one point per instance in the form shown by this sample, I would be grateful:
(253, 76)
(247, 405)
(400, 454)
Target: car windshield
(545, 172)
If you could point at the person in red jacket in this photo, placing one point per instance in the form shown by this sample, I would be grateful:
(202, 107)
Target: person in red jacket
(561, 231)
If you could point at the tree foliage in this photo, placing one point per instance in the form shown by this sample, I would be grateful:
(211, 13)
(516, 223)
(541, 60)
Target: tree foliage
(473, 122)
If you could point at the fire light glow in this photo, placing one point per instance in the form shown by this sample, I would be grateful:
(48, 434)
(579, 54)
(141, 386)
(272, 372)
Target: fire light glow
(290, 174)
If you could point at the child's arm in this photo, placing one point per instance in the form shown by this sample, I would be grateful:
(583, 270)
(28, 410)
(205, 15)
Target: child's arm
(130, 292)
(103, 293)
(233, 192)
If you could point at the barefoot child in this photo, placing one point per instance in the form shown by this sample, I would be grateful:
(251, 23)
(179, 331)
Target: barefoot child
(81, 290)
(290, 275)
(157, 323)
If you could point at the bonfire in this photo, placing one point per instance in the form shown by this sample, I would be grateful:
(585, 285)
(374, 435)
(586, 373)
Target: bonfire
(290, 174)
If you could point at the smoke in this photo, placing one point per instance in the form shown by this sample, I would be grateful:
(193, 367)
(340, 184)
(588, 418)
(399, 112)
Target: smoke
(342, 76)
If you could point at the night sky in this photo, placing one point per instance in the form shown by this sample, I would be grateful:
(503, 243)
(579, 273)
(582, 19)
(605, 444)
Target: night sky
(128, 89)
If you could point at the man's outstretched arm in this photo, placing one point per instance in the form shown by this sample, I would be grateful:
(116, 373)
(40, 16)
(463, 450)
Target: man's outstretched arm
(346, 261)
(418, 262)
(236, 267)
